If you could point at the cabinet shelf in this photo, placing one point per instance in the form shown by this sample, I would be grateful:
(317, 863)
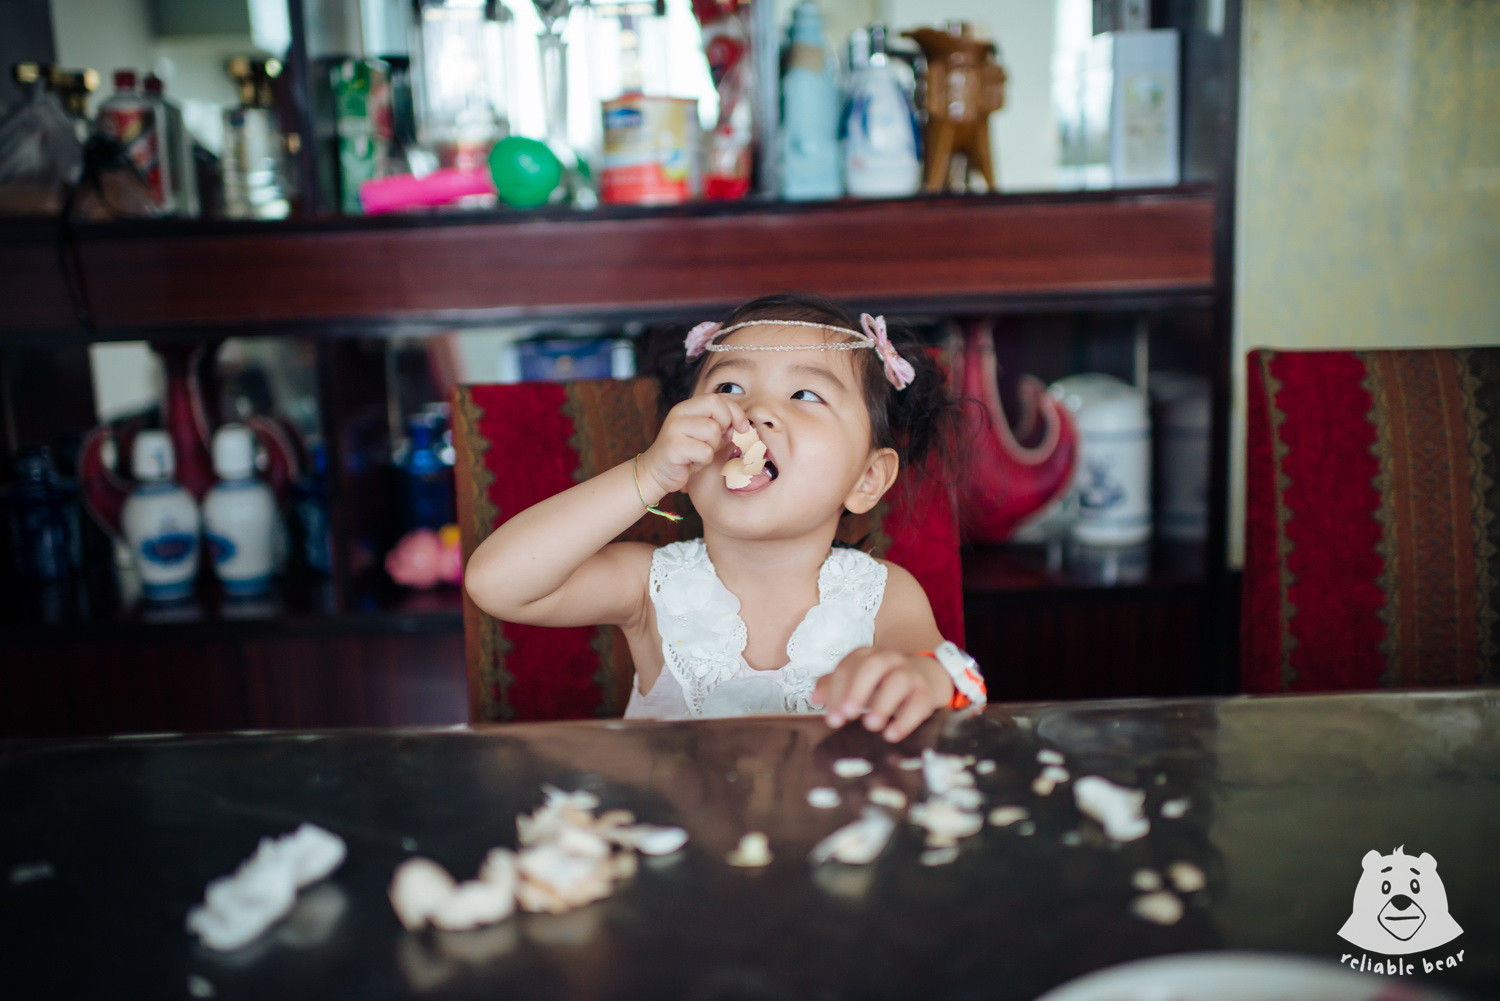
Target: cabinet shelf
(164, 278)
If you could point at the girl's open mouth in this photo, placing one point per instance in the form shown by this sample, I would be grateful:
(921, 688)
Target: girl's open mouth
(761, 479)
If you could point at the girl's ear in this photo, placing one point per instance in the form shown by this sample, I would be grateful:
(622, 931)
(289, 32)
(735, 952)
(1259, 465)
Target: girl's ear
(880, 472)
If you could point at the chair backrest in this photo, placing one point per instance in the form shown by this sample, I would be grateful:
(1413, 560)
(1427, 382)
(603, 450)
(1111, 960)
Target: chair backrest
(519, 444)
(1372, 530)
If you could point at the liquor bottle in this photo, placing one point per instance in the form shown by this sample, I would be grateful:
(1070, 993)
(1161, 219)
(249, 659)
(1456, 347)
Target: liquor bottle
(160, 522)
(129, 118)
(254, 181)
(239, 516)
(178, 144)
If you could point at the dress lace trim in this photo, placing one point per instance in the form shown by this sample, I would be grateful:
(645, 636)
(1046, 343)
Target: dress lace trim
(703, 636)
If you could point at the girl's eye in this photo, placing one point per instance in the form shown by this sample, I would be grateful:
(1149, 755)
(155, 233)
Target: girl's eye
(728, 387)
(807, 396)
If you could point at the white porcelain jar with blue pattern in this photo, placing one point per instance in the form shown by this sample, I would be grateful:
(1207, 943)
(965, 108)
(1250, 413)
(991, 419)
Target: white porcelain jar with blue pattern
(1111, 491)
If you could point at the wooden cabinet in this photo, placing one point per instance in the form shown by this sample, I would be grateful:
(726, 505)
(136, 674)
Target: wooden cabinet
(1066, 275)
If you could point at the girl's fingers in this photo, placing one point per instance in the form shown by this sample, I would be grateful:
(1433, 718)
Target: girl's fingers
(866, 674)
(910, 716)
(894, 688)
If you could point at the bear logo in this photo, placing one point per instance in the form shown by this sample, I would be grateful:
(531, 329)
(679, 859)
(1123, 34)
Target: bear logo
(1400, 906)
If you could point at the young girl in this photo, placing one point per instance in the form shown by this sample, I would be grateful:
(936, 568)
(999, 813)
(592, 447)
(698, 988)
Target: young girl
(764, 613)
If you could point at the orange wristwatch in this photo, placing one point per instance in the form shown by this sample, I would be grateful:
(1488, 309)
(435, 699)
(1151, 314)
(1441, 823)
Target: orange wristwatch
(968, 683)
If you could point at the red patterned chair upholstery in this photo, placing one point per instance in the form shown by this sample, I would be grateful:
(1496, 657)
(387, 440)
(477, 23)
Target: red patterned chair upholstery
(518, 444)
(1372, 533)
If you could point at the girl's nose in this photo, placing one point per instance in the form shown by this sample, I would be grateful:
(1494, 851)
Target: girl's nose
(761, 415)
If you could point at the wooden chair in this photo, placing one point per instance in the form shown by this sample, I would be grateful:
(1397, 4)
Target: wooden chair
(518, 444)
(1372, 532)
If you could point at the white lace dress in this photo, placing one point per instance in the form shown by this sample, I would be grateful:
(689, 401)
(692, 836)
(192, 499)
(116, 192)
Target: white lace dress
(703, 637)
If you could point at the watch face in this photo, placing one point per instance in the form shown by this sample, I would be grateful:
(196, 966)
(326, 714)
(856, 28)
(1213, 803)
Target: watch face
(958, 653)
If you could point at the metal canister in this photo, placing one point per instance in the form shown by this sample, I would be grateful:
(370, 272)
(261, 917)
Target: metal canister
(650, 150)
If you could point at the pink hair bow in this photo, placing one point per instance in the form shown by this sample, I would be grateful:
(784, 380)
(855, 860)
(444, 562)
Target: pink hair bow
(897, 369)
(698, 338)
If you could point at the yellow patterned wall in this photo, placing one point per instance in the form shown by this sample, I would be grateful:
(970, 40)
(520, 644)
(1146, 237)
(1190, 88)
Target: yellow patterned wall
(1369, 181)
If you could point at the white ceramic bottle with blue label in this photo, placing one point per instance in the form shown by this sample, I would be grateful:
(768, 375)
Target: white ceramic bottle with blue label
(160, 522)
(239, 516)
(879, 129)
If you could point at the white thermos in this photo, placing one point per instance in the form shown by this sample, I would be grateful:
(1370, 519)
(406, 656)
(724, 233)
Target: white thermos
(239, 516)
(1112, 482)
(160, 521)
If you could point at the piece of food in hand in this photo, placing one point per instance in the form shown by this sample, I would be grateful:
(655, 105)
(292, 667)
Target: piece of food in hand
(739, 470)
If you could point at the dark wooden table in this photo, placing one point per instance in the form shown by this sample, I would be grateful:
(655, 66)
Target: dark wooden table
(104, 845)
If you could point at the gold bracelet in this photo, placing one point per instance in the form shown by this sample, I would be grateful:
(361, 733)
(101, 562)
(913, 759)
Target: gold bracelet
(649, 509)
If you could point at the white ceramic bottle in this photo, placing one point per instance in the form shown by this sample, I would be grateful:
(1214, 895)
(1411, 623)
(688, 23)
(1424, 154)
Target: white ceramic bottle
(1112, 484)
(239, 516)
(160, 521)
(879, 132)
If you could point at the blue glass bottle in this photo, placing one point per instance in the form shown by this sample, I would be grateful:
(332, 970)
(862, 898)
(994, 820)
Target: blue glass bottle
(426, 478)
(42, 514)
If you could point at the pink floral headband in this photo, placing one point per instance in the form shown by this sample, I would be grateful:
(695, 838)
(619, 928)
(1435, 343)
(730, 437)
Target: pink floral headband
(873, 335)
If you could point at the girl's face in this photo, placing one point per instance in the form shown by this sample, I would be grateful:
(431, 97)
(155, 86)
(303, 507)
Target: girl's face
(809, 409)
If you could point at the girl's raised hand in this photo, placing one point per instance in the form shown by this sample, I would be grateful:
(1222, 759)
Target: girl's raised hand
(690, 439)
(890, 691)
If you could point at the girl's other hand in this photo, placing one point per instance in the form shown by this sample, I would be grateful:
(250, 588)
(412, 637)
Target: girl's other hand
(690, 439)
(892, 692)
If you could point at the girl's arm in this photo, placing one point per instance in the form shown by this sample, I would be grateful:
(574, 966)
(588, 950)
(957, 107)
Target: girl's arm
(553, 564)
(889, 686)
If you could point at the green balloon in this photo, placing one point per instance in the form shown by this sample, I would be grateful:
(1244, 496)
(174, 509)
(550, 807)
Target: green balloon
(524, 171)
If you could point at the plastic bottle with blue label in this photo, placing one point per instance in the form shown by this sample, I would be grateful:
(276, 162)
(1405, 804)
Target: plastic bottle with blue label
(809, 143)
(160, 521)
(239, 516)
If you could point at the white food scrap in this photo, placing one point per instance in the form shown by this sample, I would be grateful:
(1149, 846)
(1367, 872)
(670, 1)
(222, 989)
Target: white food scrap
(752, 852)
(568, 858)
(1047, 756)
(858, 843)
(852, 768)
(237, 908)
(1174, 809)
(1004, 816)
(941, 855)
(893, 799)
(1161, 907)
(1146, 880)
(945, 822)
(1050, 778)
(823, 798)
(1118, 809)
(1187, 877)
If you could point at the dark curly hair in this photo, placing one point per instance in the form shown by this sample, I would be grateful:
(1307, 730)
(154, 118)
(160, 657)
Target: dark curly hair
(921, 422)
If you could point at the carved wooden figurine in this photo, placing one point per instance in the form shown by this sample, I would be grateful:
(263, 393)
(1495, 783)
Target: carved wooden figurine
(964, 86)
